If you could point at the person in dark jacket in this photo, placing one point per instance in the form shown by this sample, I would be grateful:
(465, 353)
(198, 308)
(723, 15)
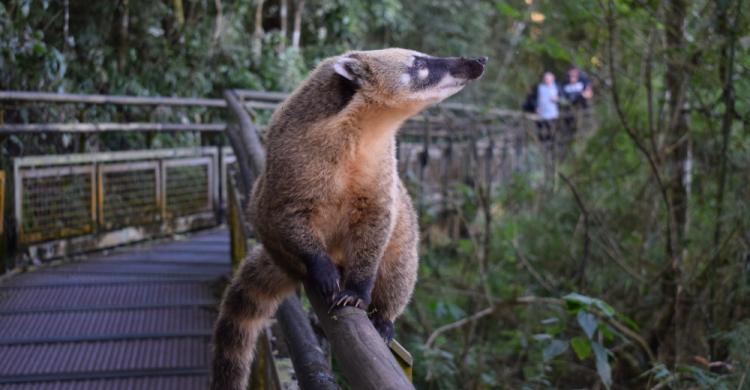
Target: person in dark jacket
(576, 91)
(577, 88)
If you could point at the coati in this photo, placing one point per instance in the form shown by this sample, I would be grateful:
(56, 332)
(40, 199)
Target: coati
(329, 205)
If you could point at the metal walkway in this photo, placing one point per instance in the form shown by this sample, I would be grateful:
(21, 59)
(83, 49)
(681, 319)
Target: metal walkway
(138, 318)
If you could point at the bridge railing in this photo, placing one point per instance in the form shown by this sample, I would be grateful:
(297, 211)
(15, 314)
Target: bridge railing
(67, 203)
(455, 144)
(72, 203)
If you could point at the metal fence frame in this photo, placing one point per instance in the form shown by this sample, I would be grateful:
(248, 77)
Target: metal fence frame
(101, 234)
(2, 203)
(227, 159)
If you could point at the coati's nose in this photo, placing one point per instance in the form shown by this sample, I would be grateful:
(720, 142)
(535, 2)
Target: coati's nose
(469, 68)
(475, 67)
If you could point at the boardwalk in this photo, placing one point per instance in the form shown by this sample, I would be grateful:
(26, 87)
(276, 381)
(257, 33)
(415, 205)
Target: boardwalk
(137, 318)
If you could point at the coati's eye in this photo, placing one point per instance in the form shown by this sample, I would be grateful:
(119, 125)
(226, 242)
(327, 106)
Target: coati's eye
(420, 63)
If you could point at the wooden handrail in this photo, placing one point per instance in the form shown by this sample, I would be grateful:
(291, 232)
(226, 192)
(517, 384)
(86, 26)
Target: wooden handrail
(246, 94)
(108, 127)
(51, 97)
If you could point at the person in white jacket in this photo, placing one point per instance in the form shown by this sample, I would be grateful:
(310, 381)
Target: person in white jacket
(546, 106)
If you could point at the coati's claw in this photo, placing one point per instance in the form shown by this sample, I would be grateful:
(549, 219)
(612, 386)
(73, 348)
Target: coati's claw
(383, 326)
(324, 277)
(347, 298)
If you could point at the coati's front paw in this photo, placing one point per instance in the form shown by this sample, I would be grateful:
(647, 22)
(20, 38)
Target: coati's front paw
(383, 326)
(325, 278)
(349, 297)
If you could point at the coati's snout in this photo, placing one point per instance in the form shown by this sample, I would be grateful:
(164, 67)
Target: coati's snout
(468, 68)
(399, 76)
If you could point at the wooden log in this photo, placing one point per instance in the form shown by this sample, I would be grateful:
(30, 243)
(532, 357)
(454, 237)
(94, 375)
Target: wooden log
(311, 366)
(260, 105)
(28, 128)
(109, 99)
(246, 134)
(363, 356)
(245, 176)
(245, 94)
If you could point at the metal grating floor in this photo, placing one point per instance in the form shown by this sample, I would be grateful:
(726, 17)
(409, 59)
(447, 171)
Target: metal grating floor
(138, 318)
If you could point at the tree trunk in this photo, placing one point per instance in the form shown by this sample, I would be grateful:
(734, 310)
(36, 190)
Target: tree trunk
(120, 28)
(219, 21)
(297, 34)
(179, 13)
(257, 43)
(677, 161)
(726, 75)
(283, 15)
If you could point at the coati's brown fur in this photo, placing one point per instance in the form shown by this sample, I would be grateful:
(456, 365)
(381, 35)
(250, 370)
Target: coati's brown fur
(330, 206)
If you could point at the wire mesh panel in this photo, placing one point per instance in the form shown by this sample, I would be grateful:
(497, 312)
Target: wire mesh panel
(55, 202)
(76, 202)
(129, 194)
(188, 186)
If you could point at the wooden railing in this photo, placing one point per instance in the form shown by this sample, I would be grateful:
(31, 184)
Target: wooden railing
(64, 204)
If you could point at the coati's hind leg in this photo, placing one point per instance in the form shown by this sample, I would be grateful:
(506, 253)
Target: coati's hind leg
(397, 273)
(251, 298)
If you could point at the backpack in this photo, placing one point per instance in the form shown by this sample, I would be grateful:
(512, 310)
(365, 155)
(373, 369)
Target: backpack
(529, 104)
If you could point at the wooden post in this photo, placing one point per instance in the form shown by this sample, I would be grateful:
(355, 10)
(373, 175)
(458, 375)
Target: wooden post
(247, 144)
(4, 255)
(311, 366)
(364, 358)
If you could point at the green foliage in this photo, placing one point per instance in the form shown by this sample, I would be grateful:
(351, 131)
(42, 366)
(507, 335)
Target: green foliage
(537, 235)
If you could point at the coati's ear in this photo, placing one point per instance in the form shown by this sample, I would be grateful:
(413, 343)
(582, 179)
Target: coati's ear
(350, 68)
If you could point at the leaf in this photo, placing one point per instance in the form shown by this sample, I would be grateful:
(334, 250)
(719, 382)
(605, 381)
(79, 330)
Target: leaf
(556, 50)
(555, 348)
(575, 302)
(608, 332)
(488, 378)
(39, 49)
(576, 297)
(508, 10)
(588, 322)
(602, 364)
(581, 347)
(608, 310)
(25, 7)
(628, 321)
(550, 321)
(466, 246)
(541, 337)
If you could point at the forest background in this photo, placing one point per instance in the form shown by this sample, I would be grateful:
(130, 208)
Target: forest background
(629, 268)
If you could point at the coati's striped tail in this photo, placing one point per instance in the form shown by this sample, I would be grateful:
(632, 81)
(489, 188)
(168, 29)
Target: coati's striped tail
(250, 300)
